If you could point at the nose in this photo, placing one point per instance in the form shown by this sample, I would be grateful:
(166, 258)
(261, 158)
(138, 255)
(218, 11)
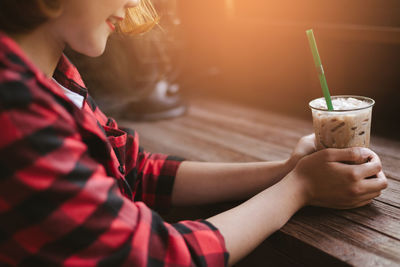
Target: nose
(132, 3)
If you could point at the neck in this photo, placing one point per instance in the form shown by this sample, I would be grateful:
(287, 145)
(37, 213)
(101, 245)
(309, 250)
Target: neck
(42, 48)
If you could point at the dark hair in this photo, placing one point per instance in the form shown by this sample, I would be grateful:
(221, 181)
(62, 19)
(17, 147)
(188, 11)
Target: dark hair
(23, 16)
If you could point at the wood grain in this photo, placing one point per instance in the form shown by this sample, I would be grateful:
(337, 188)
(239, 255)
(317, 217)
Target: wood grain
(223, 132)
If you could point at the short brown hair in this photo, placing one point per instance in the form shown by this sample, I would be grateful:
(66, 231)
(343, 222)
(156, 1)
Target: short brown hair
(23, 16)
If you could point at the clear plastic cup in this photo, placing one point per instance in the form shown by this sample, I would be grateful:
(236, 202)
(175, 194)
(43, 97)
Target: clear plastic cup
(342, 128)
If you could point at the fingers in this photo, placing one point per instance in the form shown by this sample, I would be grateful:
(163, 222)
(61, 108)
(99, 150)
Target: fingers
(361, 201)
(364, 191)
(355, 155)
(381, 174)
(309, 138)
(361, 171)
(309, 141)
(373, 157)
(369, 186)
(370, 196)
(369, 169)
(368, 189)
(367, 198)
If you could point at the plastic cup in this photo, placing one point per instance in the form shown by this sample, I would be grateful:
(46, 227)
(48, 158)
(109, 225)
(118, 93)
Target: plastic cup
(342, 128)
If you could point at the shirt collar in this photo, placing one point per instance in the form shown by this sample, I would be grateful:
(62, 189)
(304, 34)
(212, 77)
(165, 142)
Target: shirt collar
(68, 76)
(15, 58)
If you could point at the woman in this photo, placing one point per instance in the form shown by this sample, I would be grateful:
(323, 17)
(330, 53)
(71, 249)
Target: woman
(78, 190)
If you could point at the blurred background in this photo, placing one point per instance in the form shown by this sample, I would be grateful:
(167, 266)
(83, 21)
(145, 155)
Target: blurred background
(255, 52)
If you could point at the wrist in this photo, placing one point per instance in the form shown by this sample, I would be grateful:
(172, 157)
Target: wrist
(300, 192)
(290, 164)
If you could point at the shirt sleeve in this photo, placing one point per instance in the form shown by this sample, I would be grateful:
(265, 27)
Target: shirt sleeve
(58, 206)
(151, 176)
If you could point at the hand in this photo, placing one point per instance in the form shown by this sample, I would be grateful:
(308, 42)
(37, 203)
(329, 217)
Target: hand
(305, 146)
(329, 182)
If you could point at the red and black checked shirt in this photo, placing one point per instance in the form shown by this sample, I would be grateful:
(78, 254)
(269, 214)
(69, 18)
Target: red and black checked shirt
(75, 189)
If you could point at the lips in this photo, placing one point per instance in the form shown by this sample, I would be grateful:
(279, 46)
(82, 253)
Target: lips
(113, 21)
(111, 25)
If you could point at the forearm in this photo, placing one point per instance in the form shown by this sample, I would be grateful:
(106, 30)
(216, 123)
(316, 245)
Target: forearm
(202, 183)
(247, 225)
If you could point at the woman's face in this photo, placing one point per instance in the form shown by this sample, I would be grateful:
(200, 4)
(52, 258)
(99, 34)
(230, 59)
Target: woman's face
(85, 25)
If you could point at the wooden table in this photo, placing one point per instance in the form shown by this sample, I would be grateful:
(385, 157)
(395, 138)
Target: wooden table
(223, 132)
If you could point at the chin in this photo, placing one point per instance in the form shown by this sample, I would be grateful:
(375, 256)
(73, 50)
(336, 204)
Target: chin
(95, 53)
(94, 49)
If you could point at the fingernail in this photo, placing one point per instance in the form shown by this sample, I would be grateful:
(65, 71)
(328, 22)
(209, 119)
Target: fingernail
(366, 154)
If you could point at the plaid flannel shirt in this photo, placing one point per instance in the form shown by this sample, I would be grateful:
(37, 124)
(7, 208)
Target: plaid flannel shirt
(76, 190)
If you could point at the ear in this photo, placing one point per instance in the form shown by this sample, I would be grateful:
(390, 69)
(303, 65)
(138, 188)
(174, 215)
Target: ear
(51, 8)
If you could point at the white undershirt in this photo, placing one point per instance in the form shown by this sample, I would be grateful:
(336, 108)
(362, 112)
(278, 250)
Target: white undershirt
(76, 98)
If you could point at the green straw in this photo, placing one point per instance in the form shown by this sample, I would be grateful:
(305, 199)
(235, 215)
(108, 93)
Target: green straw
(320, 69)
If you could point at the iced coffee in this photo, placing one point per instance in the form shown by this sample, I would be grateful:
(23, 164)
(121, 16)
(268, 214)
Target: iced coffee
(348, 125)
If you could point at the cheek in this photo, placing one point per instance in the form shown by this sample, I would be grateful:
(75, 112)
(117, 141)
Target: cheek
(90, 41)
(82, 25)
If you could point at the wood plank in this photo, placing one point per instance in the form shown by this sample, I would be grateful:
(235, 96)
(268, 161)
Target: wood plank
(275, 135)
(239, 114)
(263, 130)
(209, 145)
(255, 147)
(388, 147)
(389, 151)
(391, 195)
(227, 147)
(279, 129)
(165, 138)
(301, 252)
(217, 131)
(348, 241)
(378, 216)
(290, 252)
(208, 134)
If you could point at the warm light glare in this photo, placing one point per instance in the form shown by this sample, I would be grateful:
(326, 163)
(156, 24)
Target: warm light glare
(230, 8)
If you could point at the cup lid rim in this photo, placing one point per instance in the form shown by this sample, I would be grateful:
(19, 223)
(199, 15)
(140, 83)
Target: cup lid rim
(363, 98)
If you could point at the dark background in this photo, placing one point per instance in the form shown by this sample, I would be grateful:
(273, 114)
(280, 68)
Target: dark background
(257, 53)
